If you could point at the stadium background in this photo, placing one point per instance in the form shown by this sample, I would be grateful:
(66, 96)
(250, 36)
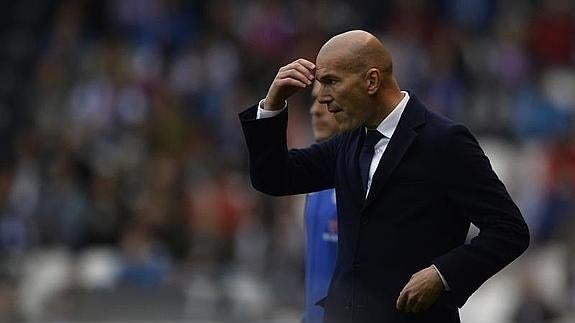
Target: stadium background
(124, 194)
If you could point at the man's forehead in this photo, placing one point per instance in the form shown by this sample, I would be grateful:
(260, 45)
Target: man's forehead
(334, 63)
(322, 71)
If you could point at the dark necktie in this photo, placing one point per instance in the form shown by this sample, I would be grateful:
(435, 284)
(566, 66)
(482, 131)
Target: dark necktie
(366, 154)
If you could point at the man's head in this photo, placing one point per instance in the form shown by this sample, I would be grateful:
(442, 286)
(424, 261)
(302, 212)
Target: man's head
(356, 80)
(323, 123)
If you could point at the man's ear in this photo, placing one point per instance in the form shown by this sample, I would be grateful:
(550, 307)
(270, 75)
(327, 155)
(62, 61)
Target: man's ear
(373, 80)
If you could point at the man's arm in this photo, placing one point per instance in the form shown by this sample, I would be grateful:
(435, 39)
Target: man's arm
(274, 169)
(277, 171)
(474, 188)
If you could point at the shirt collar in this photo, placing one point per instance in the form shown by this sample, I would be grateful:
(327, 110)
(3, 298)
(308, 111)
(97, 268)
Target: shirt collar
(388, 125)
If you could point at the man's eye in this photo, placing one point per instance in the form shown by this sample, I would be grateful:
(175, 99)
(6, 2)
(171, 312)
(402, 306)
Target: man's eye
(330, 82)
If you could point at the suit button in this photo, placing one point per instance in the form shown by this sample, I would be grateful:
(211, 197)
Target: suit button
(348, 306)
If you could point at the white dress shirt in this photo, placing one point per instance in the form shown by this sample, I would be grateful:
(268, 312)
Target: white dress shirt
(386, 128)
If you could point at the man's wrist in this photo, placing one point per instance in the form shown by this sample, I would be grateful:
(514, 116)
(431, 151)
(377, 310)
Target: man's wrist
(271, 106)
(443, 281)
(263, 113)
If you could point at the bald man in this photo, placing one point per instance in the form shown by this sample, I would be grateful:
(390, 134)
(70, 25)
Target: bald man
(408, 183)
(320, 222)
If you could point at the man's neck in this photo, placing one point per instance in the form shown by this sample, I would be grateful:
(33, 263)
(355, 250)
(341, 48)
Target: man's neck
(387, 103)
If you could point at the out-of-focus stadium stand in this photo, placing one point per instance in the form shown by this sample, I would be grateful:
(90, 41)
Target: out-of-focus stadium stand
(123, 180)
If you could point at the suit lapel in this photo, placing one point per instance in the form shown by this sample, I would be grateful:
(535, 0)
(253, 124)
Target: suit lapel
(413, 116)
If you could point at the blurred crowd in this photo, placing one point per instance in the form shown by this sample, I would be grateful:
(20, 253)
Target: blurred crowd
(123, 167)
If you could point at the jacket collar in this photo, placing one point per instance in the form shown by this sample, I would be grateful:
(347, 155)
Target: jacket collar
(413, 116)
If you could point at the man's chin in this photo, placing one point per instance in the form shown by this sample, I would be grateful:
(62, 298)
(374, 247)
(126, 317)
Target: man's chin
(343, 127)
(319, 137)
(346, 126)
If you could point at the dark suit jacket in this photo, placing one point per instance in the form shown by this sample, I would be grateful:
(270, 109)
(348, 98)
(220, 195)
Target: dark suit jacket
(432, 181)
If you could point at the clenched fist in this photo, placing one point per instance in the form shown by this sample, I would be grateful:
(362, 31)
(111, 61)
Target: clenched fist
(420, 292)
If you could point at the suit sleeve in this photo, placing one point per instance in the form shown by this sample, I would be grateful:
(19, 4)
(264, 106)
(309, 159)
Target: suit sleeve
(277, 171)
(475, 190)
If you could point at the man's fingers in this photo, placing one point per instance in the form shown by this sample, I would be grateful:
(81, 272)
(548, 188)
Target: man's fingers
(294, 74)
(407, 302)
(305, 70)
(401, 301)
(414, 303)
(420, 292)
(292, 82)
(297, 74)
(411, 303)
(419, 305)
(306, 63)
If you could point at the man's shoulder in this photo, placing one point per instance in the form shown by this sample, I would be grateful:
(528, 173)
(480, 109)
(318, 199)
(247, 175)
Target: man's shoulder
(435, 129)
(438, 125)
(440, 131)
(437, 120)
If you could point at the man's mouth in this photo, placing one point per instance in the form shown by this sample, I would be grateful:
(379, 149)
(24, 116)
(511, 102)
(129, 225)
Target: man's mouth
(333, 110)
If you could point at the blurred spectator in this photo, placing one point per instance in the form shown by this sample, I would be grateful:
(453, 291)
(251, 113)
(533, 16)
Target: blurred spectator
(144, 264)
(532, 308)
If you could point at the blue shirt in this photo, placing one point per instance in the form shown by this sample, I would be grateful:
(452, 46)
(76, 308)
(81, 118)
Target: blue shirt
(321, 249)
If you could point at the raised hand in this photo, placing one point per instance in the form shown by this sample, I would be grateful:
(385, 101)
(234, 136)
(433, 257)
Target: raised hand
(289, 79)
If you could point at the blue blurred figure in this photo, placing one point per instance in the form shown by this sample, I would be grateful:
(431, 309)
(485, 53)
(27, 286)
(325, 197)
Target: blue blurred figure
(320, 224)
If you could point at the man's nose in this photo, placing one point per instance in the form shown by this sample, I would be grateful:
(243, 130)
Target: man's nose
(324, 99)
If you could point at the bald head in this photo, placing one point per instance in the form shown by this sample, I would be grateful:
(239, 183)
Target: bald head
(356, 79)
(355, 51)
